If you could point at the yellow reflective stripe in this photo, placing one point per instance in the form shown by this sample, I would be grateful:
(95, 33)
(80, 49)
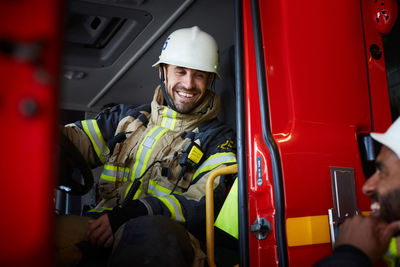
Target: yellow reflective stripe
(165, 117)
(138, 192)
(92, 129)
(112, 172)
(112, 178)
(158, 190)
(174, 207)
(169, 206)
(302, 231)
(99, 210)
(174, 113)
(178, 204)
(145, 149)
(139, 152)
(169, 118)
(214, 161)
(146, 159)
(108, 178)
(116, 168)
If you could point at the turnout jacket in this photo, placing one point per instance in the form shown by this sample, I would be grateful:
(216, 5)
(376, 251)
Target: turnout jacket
(147, 144)
(346, 256)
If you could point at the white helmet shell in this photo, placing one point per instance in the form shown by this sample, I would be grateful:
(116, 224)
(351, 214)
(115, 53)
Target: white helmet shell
(391, 138)
(190, 48)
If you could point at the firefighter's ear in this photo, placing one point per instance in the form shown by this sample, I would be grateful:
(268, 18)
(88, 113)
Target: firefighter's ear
(162, 72)
(211, 78)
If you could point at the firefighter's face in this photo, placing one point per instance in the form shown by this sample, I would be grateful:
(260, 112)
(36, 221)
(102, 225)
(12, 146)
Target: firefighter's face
(384, 186)
(186, 87)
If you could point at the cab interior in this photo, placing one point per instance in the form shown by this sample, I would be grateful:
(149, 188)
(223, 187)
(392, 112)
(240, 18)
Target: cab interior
(109, 48)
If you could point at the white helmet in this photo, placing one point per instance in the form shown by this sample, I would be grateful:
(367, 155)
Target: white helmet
(190, 48)
(391, 138)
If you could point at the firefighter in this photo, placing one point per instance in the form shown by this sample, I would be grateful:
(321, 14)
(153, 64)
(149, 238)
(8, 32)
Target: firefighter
(156, 157)
(362, 241)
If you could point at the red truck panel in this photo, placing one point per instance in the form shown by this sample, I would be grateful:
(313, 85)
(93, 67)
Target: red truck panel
(318, 75)
(29, 63)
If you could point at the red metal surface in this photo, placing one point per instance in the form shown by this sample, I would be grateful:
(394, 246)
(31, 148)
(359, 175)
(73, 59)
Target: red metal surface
(28, 135)
(317, 79)
(377, 72)
(384, 14)
(261, 198)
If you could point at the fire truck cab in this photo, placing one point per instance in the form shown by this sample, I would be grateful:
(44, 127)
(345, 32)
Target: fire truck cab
(304, 83)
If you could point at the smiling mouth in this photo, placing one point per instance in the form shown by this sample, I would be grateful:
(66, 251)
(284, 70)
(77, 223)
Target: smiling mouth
(185, 95)
(375, 208)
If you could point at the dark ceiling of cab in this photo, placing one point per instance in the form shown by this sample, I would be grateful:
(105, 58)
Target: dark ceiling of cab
(110, 45)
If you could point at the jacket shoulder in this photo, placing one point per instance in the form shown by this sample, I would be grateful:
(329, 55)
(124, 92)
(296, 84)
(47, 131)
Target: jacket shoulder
(215, 136)
(112, 116)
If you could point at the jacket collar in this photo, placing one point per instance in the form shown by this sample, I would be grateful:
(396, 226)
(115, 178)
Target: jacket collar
(166, 117)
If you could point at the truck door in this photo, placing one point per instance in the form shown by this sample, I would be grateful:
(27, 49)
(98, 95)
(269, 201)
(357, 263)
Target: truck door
(313, 88)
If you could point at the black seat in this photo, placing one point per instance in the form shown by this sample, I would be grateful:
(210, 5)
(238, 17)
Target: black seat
(226, 246)
(225, 87)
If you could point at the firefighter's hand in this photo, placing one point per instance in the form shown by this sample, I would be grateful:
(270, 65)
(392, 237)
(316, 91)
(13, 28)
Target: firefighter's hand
(371, 235)
(99, 232)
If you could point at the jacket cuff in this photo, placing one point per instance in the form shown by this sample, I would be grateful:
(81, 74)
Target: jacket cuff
(354, 251)
(119, 215)
(345, 255)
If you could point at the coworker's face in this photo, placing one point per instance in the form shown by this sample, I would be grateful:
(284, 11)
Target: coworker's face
(186, 87)
(384, 186)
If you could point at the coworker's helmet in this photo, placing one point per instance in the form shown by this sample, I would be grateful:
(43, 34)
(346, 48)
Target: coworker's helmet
(391, 138)
(190, 48)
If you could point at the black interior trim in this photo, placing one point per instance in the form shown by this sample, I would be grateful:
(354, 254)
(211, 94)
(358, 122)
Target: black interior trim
(241, 138)
(97, 34)
(367, 70)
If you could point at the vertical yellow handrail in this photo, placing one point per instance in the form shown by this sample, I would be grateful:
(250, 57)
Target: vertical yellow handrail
(210, 209)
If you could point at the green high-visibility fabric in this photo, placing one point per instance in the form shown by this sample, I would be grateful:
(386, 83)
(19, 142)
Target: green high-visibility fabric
(227, 219)
(392, 257)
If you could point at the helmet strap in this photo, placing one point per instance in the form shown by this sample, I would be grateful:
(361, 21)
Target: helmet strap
(212, 89)
(164, 91)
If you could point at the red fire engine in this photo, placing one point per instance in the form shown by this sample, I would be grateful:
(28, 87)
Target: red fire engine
(312, 79)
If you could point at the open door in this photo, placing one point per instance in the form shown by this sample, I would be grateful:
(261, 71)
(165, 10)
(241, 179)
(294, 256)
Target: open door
(312, 88)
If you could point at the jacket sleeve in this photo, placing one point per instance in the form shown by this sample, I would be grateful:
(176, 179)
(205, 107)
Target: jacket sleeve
(189, 207)
(92, 137)
(345, 256)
